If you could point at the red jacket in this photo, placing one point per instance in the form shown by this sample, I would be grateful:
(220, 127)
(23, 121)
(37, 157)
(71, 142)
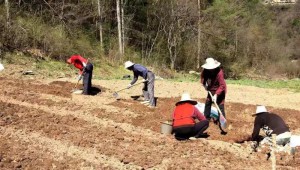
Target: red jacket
(78, 61)
(185, 114)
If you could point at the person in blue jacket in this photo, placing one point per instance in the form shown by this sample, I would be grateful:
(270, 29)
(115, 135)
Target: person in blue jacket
(148, 76)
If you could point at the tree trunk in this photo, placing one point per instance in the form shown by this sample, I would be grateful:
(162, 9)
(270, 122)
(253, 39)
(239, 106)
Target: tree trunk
(199, 35)
(122, 26)
(100, 24)
(7, 12)
(119, 28)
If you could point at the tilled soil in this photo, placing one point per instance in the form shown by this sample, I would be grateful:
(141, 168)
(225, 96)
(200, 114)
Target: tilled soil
(44, 126)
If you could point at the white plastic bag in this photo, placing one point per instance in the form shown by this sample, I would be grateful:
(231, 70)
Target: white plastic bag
(1, 67)
(213, 111)
(295, 141)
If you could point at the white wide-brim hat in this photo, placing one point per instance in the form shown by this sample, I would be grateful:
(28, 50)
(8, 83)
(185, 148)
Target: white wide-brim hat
(128, 64)
(211, 63)
(186, 98)
(260, 109)
(1, 67)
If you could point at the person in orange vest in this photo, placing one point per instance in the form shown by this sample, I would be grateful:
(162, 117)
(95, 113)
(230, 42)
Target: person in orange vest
(85, 71)
(184, 119)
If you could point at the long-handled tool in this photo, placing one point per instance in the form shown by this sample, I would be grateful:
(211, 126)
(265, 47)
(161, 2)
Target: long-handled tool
(116, 95)
(75, 87)
(222, 120)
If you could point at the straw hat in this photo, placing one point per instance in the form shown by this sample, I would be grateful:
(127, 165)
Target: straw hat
(260, 109)
(186, 98)
(1, 67)
(128, 64)
(211, 63)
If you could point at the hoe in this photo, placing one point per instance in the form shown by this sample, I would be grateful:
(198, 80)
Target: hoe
(116, 95)
(222, 120)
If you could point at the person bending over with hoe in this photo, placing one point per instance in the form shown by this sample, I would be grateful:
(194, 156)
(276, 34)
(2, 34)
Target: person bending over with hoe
(270, 123)
(212, 79)
(184, 116)
(85, 71)
(149, 77)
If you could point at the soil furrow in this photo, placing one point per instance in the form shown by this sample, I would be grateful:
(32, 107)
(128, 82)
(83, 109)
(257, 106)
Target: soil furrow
(39, 116)
(60, 149)
(84, 115)
(128, 148)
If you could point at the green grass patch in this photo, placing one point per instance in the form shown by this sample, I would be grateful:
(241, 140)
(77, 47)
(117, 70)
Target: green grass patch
(184, 77)
(107, 70)
(293, 85)
(56, 69)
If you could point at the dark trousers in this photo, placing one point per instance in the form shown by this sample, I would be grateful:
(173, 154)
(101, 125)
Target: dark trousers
(182, 133)
(87, 79)
(208, 103)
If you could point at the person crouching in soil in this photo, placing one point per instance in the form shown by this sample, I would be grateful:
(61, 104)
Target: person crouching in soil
(212, 79)
(270, 123)
(184, 119)
(149, 77)
(85, 71)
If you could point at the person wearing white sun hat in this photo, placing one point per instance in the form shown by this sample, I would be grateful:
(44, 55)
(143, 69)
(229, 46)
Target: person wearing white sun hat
(149, 77)
(212, 79)
(184, 116)
(270, 123)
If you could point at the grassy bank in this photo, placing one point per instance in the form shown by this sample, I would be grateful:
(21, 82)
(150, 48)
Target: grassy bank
(106, 70)
(293, 85)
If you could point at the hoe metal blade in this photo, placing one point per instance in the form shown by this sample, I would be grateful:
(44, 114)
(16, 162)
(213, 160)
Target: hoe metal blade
(116, 95)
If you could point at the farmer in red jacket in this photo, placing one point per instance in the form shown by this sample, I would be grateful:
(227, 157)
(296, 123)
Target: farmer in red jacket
(212, 79)
(184, 116)
(85, 71)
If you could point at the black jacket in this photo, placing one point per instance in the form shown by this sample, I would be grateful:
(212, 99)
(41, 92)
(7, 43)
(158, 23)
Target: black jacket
(270, 123)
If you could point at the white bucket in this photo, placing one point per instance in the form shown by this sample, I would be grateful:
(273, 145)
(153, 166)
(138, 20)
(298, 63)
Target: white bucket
(166, 128)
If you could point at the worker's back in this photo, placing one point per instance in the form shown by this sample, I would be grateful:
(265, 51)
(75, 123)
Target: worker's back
(273, 124)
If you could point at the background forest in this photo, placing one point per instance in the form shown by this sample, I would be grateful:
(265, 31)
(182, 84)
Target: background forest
(247, 36)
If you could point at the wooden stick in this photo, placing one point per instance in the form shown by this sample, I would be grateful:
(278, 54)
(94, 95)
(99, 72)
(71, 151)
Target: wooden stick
(273, 158)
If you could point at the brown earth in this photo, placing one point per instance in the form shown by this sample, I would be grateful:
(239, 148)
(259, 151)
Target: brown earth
(44, 126)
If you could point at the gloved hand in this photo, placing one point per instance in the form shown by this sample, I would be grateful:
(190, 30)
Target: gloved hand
(84, 68)
(79, 77)
(129, 86)
(254, 145)
(214, 98)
